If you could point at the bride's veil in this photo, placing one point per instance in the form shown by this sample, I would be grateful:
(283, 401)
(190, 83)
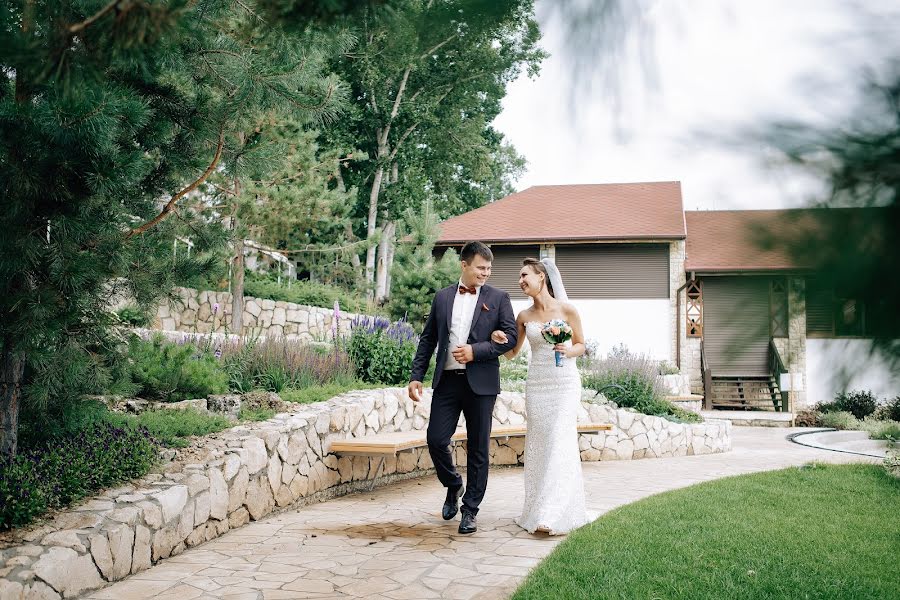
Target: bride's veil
(559, 290)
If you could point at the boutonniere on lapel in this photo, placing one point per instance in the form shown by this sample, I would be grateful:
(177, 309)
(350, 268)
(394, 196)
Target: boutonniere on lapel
(484, 307)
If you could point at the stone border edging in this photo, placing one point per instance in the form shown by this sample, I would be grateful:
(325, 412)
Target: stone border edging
(793, 438)
(252, 471)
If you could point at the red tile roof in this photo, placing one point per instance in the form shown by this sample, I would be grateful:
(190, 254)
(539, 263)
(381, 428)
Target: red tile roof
(745, 240)
(546, 213)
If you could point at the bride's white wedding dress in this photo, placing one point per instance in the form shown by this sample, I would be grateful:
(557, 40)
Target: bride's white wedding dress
(554, 489)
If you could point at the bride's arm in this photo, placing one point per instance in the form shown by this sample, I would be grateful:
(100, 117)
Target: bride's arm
(500, 338)
(574, 319)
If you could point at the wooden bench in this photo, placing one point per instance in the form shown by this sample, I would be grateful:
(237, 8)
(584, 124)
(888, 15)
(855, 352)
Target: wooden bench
(383, 445)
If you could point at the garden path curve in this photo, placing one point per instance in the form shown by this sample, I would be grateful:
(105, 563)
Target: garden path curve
(393, 544)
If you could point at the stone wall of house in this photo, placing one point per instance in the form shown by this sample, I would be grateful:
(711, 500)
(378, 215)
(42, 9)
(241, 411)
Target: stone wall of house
(677, 278)
(793, 348)
(207, 311)
(251, 471)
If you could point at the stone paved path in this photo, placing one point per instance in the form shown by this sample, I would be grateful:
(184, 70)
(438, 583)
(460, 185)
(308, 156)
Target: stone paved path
(393, 544)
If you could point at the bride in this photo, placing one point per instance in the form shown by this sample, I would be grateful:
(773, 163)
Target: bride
(554, 491)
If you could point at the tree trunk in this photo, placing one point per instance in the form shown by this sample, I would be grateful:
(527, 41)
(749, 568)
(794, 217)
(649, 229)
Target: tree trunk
(12, 368)
(385, 250)
(237, 288)
(371, 226)
(237, 274)
(389, 260)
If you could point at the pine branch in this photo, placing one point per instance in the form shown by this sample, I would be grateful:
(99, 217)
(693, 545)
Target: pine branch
(78, 27)
(170, 205)
(249, 10)
(286, 96)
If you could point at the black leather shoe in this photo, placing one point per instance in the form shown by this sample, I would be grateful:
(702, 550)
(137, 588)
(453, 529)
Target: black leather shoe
(467, 524)
(451, 504)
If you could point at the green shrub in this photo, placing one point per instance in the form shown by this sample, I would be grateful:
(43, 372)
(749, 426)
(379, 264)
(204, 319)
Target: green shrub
(860, 404)
(882, 430)
(256, 414)
(134, 316)
(66, 469)
(171, 372)
(640, 385)
(381, 351)
(890, 410)
(303, 292)
(515, 369)
(839, 420)
(321, 393)
(892, 463)
(172, 428)
(680, 415)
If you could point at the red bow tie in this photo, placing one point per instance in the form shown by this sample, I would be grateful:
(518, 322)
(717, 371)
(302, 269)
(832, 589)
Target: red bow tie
(468, 290)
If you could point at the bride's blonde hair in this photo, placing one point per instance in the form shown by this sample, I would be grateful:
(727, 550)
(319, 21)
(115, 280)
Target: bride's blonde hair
(538, 267)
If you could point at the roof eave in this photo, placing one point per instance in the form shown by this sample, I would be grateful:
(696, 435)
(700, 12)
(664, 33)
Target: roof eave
(748, 270)
(537, 240)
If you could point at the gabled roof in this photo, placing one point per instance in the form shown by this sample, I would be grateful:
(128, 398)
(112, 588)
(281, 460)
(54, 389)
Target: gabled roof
(745, 240)
(547, 213)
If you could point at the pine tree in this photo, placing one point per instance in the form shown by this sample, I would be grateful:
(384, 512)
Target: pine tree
(112, 114)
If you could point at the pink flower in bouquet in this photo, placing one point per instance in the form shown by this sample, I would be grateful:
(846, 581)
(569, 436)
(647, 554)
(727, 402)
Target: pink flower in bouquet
(555, 330)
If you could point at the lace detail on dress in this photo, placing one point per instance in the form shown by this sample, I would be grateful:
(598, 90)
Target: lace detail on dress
(554, 489)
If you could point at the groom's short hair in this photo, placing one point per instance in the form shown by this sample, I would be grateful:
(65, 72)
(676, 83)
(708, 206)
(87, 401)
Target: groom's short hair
(469, 251)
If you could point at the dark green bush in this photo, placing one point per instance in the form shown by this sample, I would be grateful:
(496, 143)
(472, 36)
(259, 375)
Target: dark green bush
(134, 316)
(860, 404)
(66, 469)
(890, 410)
(171, 372)
(382, 351)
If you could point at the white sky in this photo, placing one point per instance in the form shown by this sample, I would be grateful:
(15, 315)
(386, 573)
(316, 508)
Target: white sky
(723, 65)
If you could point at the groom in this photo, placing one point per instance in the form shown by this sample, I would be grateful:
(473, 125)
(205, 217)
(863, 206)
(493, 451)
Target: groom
(466, 377)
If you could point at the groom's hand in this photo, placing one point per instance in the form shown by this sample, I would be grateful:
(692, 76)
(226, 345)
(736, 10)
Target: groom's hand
(414, 389)
(463, 354)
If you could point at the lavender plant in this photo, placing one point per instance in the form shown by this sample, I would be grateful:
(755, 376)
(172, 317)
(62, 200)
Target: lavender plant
(380, 350)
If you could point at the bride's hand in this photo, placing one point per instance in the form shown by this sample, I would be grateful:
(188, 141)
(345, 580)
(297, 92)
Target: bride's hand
(498, 337)
(562, 349)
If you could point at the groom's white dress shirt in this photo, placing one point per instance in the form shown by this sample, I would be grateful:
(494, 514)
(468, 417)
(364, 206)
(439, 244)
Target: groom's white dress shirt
(460, 324)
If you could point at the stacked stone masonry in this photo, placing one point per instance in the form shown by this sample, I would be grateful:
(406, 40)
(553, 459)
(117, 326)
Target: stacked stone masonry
(251, 471)
(210, 312)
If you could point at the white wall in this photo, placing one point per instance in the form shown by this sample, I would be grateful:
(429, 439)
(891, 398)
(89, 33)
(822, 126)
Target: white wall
(837, 365)
(642, 325)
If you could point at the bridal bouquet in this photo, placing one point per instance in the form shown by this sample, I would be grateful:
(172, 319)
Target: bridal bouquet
(555, 332)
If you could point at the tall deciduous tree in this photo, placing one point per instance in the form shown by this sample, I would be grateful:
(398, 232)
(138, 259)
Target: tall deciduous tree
(426, 82)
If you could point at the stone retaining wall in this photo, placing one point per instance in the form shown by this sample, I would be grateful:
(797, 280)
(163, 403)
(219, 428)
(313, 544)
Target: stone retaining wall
(210, 312)
(250, 471)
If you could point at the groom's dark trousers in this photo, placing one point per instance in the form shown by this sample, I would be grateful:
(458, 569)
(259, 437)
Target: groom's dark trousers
(471, 391)
(452, 396)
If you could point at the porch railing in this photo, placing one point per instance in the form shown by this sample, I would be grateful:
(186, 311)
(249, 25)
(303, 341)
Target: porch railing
(777, 369)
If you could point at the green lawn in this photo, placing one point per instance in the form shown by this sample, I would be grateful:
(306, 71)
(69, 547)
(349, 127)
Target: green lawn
(821, 531)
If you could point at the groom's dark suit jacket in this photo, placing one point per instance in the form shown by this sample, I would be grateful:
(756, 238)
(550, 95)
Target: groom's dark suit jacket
(493, 311)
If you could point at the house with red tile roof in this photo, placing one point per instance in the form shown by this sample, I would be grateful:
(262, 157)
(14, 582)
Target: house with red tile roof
(707, 291)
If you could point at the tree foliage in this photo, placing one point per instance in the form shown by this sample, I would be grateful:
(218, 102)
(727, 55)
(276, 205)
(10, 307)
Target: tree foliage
(111, 116)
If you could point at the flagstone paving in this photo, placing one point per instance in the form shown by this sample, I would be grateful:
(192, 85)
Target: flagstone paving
(392, 543)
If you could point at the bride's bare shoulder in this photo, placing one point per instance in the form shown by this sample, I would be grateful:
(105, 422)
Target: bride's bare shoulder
(568, 309)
